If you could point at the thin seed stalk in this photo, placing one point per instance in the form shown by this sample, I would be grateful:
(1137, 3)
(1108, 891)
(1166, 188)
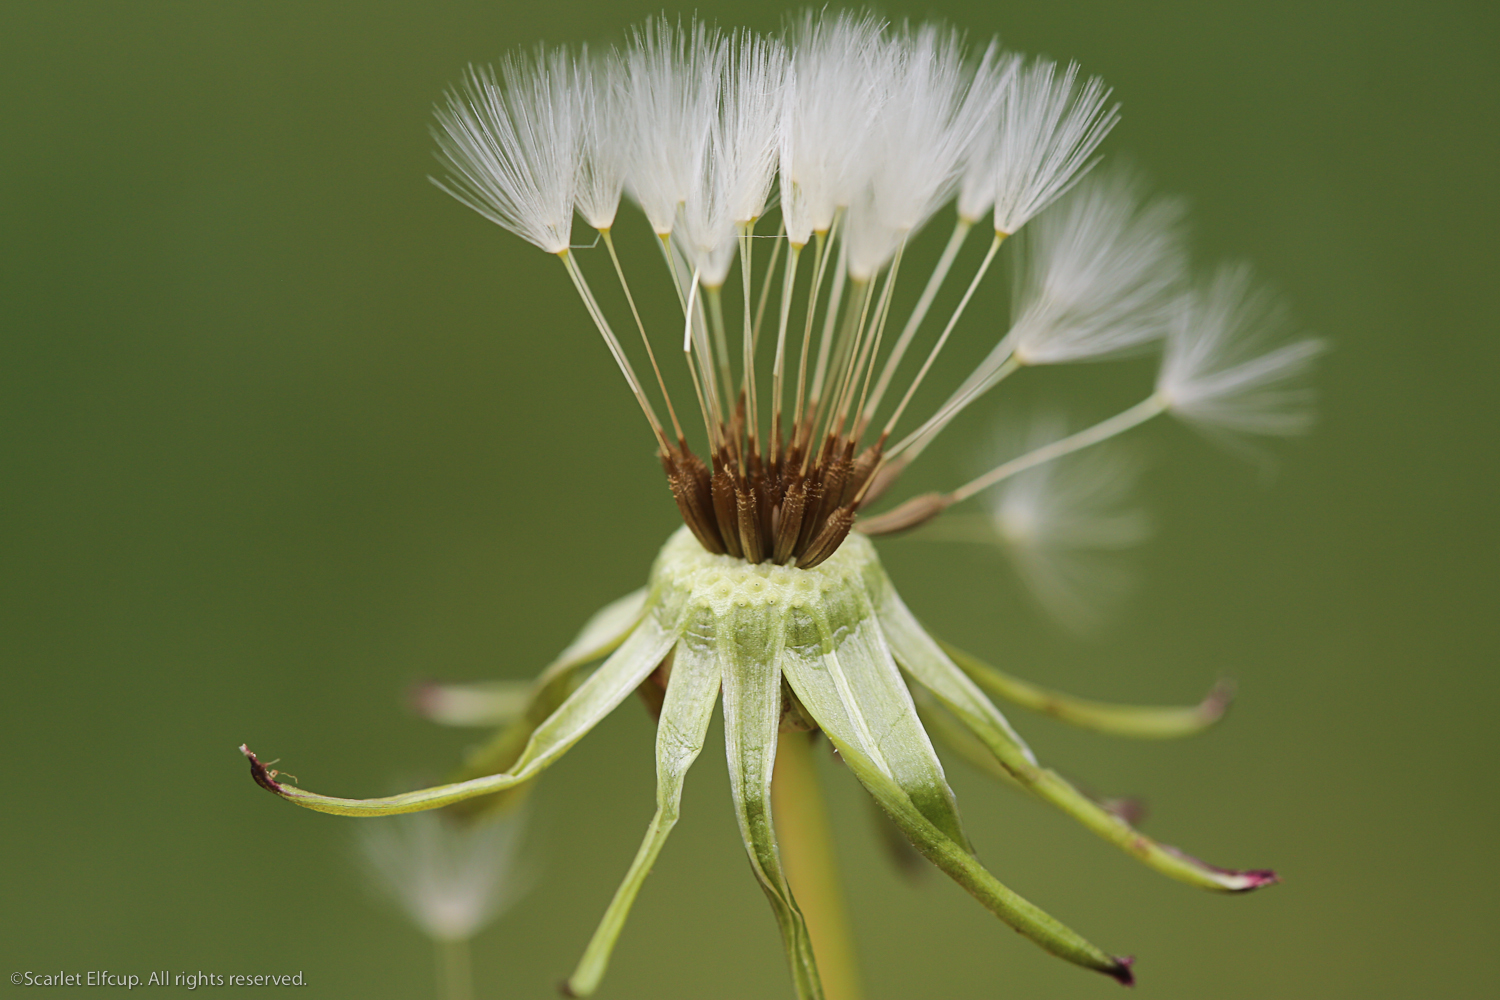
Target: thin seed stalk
(778, 367)
(830, 318)
(881, 315)
(924, 507)
(609, 244)
(610, 341)
(712, 293)
(703, 384)
(664, 240)
(1121, 422)
(765, 284)
(917, 441)
(827, 382)
(918, 314)
(850, 351)
(820, 259)
(947, 330)
(747, 377)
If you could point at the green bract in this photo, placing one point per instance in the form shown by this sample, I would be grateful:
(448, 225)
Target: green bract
(831, 648)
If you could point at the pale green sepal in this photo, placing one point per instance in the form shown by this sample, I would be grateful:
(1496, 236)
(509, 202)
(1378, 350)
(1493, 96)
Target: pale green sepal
(1147, 722)
(600, 635)
(903, 857)
(641, 653)
(841, 669)
(749, 654)
(954, 735)
(948, 731)
(926, 663)
(921, 657)
(685, 713)
(1024, 916)
(605, 630)
(488, 703)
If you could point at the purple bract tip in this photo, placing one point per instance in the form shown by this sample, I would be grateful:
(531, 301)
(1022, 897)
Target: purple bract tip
(263, 778)
(1122, 973)
(423, 697)
(1258, 878)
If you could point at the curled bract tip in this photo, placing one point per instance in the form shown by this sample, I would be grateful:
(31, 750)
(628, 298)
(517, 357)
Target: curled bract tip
(1248, 880)
(1122, 972)
(422, 698)
(1256, 878)
(1128, 808)
(1229, 879)
(1217, 701)
(264, 778)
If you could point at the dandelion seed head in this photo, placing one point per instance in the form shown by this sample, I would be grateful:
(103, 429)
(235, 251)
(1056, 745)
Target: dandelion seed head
(1100, 273)
(449, 878)
(604, 136)
(884, 125)
(1050, 125)
(1220, 370)
(976, 188)
(511, 145)
(835, 88)
(1062, 523)
(763, 600)
(934, 110)
(736, 157)
(671, 95)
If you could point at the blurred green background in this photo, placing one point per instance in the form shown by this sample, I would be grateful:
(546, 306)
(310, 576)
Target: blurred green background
(286, 428)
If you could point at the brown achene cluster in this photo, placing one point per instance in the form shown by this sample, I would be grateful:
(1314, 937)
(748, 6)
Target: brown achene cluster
(793, 505)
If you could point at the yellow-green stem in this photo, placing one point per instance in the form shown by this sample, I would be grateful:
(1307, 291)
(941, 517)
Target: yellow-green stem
(455, 977)
(806, 842)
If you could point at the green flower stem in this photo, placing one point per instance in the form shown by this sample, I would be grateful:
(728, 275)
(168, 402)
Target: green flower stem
(807, 854)
(455, 972)
(1147, 722)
